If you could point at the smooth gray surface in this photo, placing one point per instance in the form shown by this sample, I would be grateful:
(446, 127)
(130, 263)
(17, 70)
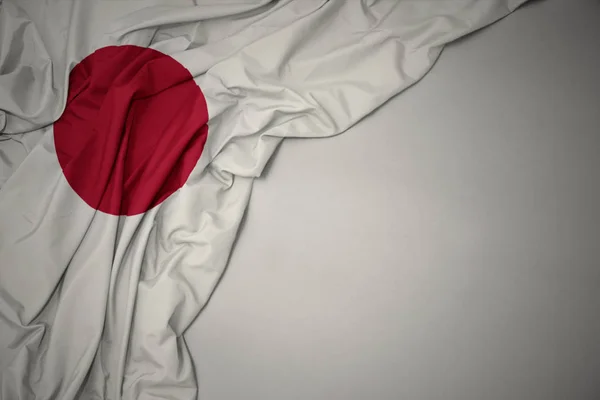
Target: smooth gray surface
(445, 248)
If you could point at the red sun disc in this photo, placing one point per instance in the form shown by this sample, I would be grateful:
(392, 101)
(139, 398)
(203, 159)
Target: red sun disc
(133, 129)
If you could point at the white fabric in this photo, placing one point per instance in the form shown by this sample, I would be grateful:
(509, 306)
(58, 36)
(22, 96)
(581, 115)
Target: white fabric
(93, 306)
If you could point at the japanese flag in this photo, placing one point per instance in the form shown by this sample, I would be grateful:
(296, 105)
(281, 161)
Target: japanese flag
(131, 132)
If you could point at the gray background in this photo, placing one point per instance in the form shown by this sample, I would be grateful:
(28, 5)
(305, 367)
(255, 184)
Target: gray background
(444, 248)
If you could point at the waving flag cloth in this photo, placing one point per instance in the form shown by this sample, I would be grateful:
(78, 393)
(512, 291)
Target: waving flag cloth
(131, 135)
